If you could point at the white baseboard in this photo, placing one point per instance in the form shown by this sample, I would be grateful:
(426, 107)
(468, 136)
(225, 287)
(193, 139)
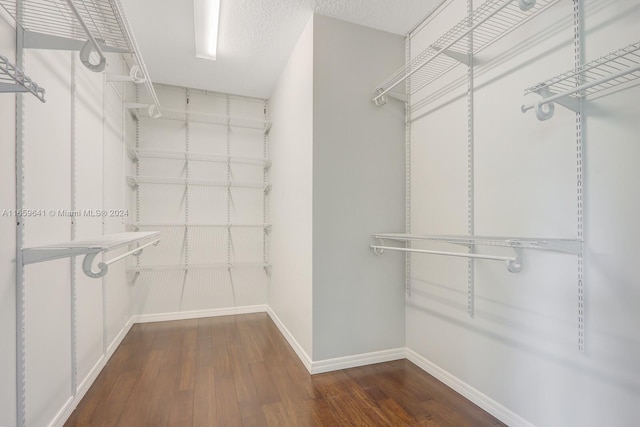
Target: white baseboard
(363, 359)
(480, 399)
(302, 355)
(320, 366)
(63, 415)
(196, 314)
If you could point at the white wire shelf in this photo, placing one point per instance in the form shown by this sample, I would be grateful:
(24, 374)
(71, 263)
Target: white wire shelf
(212, 119)
(489, 23)
(616, 70)
(90, 249)
(158, 180)
(183, 267)
(138, 225)
(514, 263)
(198, 157)
(12, 79)
(90, 26)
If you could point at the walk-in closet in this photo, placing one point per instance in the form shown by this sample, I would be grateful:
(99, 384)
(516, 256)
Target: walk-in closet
(319, 213)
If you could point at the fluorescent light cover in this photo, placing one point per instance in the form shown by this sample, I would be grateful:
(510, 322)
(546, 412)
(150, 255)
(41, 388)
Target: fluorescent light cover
(206, 17)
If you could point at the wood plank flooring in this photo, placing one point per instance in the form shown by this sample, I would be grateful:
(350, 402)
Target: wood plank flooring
(240, 371)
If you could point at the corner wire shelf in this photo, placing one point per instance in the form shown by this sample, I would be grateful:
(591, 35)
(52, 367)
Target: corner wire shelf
(197, 157)
(489, 23)
(135, 181)
(617, 69)
(90, 249)
(208, 118)
(12, 79)
(89, 26)
(514, 263)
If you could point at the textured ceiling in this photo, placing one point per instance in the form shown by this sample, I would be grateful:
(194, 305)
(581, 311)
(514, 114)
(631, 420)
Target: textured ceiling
(255, 39)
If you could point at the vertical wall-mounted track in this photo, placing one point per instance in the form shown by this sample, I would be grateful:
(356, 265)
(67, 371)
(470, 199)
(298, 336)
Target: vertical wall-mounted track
(74, 226)
(407, 171)
(20, 290)
(187, 191)
(138, 170)
(470, 165)
(579, 62)
(229, 177)
(265, 201)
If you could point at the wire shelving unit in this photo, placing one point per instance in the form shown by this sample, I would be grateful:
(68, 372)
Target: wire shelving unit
(207, 118)
(490, 22)
(90, 249)
(92, 27)
(160, 180)
(514, 263)
(197, 157)
(12, 79)
(615, 70)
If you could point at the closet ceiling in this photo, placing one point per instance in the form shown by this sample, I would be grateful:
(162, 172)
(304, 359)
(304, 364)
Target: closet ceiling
(255, 38)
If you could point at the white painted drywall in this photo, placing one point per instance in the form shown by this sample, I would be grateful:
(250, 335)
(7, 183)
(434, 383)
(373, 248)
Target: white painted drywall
(291, 139)
(520, 349)
(358, 190)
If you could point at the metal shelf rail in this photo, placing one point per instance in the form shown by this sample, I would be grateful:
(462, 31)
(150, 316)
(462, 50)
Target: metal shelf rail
(197, 157)
(488, 23)
(611, 71)
(182, 267)
(136, 181)
(12, 79)
(514, 263)
(91, 27)
(92, 248)
(207, 118)
(139, 225)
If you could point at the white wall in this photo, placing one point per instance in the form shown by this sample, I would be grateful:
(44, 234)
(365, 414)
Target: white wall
(520, 349)
(358, 182)
(81, 110)
(291, 138)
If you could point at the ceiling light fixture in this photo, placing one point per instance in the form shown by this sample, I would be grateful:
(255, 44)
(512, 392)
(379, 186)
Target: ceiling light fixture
(206, 18)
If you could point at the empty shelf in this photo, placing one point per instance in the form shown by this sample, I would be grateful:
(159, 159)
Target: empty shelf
(12, 79)
(90, 26)
(181, 267)
(489, 23)
(615, 70)
(571, 246)
(96, 245)
(514, 263)
(212, 119)
(197, 157)
(136, 181)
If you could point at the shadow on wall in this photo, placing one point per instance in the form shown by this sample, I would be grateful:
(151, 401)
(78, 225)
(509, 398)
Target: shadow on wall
(447, 303)
(488, 64)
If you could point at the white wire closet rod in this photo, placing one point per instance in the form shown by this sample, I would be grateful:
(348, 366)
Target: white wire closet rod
(198, 157)
(514, 263)
(90, 249)
(615, 70)
(209, 118)
(89, 26)
(157, 180)
(12, 79)
(489, 23)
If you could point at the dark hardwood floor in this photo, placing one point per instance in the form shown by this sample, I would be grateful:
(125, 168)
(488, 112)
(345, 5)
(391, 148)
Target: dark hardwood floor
(240, 371)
